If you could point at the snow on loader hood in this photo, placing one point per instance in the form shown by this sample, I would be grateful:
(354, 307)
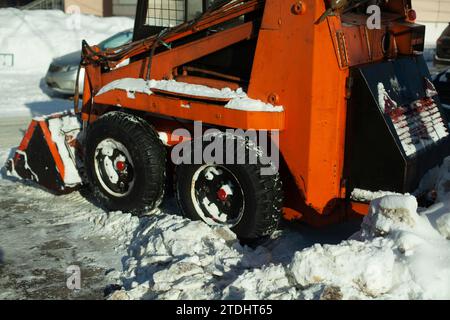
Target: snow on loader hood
(238, 100)
(401, 252)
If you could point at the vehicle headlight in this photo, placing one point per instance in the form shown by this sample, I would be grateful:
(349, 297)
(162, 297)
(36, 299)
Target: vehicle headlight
(71, 68)
(55, 68)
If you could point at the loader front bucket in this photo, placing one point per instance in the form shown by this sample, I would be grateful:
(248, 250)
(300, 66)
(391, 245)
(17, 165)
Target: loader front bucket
(47, 154)
(397, 131)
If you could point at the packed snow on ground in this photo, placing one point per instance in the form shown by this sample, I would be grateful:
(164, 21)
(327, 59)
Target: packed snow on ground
(238, 99)
(401, 252)
(27, 96)
(41, 235)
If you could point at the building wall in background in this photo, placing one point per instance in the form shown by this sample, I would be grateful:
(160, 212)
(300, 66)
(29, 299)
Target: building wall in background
(436, 11)
(435, 15)
(124, 8)
(102, 8)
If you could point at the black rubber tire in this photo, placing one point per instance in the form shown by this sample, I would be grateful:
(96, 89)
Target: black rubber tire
(148, 155)
(263, 197)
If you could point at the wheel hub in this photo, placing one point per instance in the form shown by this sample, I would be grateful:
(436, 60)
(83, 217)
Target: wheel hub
(114, 168)
(217, 196)
(222, 195)
(121, 166)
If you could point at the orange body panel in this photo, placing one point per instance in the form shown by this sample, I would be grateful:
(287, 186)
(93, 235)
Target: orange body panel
(53, 149)
(298, 63)
(48, 138)
(304, 72)
(193, 110)
(28, 135)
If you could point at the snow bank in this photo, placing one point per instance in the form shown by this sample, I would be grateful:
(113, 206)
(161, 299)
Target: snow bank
(358, 269)
(367, 196)
(401, 252)
(399, 255)
(36, 37)
(115, 225)
(130, 85)
(173, 258)
(443, 182)
(238, 99)
(443, 225)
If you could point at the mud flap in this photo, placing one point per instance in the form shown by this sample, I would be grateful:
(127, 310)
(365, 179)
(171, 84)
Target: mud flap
(396, 130)
(47, 154)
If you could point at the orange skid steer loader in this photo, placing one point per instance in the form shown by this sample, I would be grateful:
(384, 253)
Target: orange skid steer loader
(350, 108)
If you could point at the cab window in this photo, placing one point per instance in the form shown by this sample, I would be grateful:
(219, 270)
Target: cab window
(169, 13)
(166, 13)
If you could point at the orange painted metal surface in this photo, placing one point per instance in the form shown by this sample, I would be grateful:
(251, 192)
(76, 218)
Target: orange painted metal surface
(360, 208)
(48, 138)
(299, 64)
(213, 114)
(188, 96)
(28, 135)
(305, 74)
(212, 83)
(53, 149)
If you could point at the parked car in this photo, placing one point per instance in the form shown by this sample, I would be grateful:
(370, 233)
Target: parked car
(443, 48)
(62, 73)
(442, 84)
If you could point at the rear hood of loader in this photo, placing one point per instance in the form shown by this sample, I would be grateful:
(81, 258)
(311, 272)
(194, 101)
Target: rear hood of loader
(396, 130)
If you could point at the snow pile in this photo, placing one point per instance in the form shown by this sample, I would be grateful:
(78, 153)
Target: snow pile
(367, 196)
(396, 255)
(400, 253)
(116, 225)
(248, 104)
(36, 37)
(173, 258)
(443, 225)
(443, 182)
(358, 269)
(130, 85)
(238, 99)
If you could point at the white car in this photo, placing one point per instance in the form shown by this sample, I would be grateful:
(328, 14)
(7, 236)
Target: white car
(62, 73)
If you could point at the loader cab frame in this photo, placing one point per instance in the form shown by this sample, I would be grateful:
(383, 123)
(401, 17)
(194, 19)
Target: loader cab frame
(153, 16)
